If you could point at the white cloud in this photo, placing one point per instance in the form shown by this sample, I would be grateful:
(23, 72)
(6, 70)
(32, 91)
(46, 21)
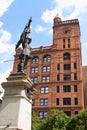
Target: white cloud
(40, 29)
(49, 15)
(4, 5)
(5, 45)
(1, 23)
(80, 6)
(5, 37)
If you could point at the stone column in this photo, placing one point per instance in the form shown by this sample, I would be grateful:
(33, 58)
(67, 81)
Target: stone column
(16, 107)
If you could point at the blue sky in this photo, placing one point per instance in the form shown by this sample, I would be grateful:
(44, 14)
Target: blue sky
(14, 15)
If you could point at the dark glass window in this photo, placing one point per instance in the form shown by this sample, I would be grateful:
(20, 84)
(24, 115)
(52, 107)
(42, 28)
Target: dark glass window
(67, 67)
(46, 79)
(68, 42)
(57, 89)
(43, 102)
(76, 101)
(46, 68)
(66, 56)
(67, 77)
(44, 90)
(75, 88)
(43, 114)
(76, 112)
(66, 101)
(58, 77)
(75, 76)
(67, 88)
(34, 70)
(68, 113)
(64, 40)
(57, 101)
(58, 67)
(47, 58)
(75, 66)
(64, 43)
(68, 45)
(35, 60)
(34, 80)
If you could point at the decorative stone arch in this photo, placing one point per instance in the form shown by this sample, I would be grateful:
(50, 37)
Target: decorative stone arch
(35, 59)
(66, 56)
(46, 58)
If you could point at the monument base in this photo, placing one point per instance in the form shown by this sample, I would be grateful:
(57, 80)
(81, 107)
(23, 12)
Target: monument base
(16, 108)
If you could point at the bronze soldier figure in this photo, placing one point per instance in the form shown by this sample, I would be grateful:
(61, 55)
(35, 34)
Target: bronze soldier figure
(26, 52)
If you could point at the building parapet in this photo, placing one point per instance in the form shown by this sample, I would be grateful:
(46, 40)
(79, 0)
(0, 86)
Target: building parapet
(73, 21)
(41, 48)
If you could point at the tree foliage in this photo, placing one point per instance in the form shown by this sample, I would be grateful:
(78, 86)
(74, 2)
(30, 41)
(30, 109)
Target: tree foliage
(58, 120)
(35, 122)
(78, 122)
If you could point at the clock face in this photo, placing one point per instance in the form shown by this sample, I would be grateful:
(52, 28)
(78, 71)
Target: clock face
(67, 30)
(64, 32)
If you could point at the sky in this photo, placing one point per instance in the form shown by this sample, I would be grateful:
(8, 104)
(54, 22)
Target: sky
(14, 14)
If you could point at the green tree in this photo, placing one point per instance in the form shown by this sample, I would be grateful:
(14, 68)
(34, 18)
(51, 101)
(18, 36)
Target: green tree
(57, 120)
(78, 122)
(35, 122)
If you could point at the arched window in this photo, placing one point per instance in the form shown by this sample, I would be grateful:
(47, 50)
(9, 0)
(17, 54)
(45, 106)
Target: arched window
(66, 56)
(35, 60)
(47, 58)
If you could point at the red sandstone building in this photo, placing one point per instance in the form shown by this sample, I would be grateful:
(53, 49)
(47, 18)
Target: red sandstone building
(57, 71)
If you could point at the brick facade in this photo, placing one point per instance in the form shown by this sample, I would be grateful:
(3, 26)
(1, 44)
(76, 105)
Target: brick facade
(84, 73)
(57, 71)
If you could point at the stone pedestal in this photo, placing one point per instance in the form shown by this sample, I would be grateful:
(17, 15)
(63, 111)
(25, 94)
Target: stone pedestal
(16, 108)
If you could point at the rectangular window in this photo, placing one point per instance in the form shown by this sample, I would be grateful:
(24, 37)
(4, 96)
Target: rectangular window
(75, 66)
(58, 67)
(68, 113)
(57, 101)
(46, 68)
(34, 80)
(67, 67)
(67, 88)
(68, 45)
(44, 90)
(75, 76)
(43, 102)
(34, 70)
(46, 79)
(66, 101)
(76, 101)
(64, 43)
(43, 114)
(76, 112)
(58, 77)
(57, 89)
(67, 77)
(68, 42)
(75, 88)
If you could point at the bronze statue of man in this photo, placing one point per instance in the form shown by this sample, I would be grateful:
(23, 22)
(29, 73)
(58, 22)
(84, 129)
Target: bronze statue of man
(26, 52)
